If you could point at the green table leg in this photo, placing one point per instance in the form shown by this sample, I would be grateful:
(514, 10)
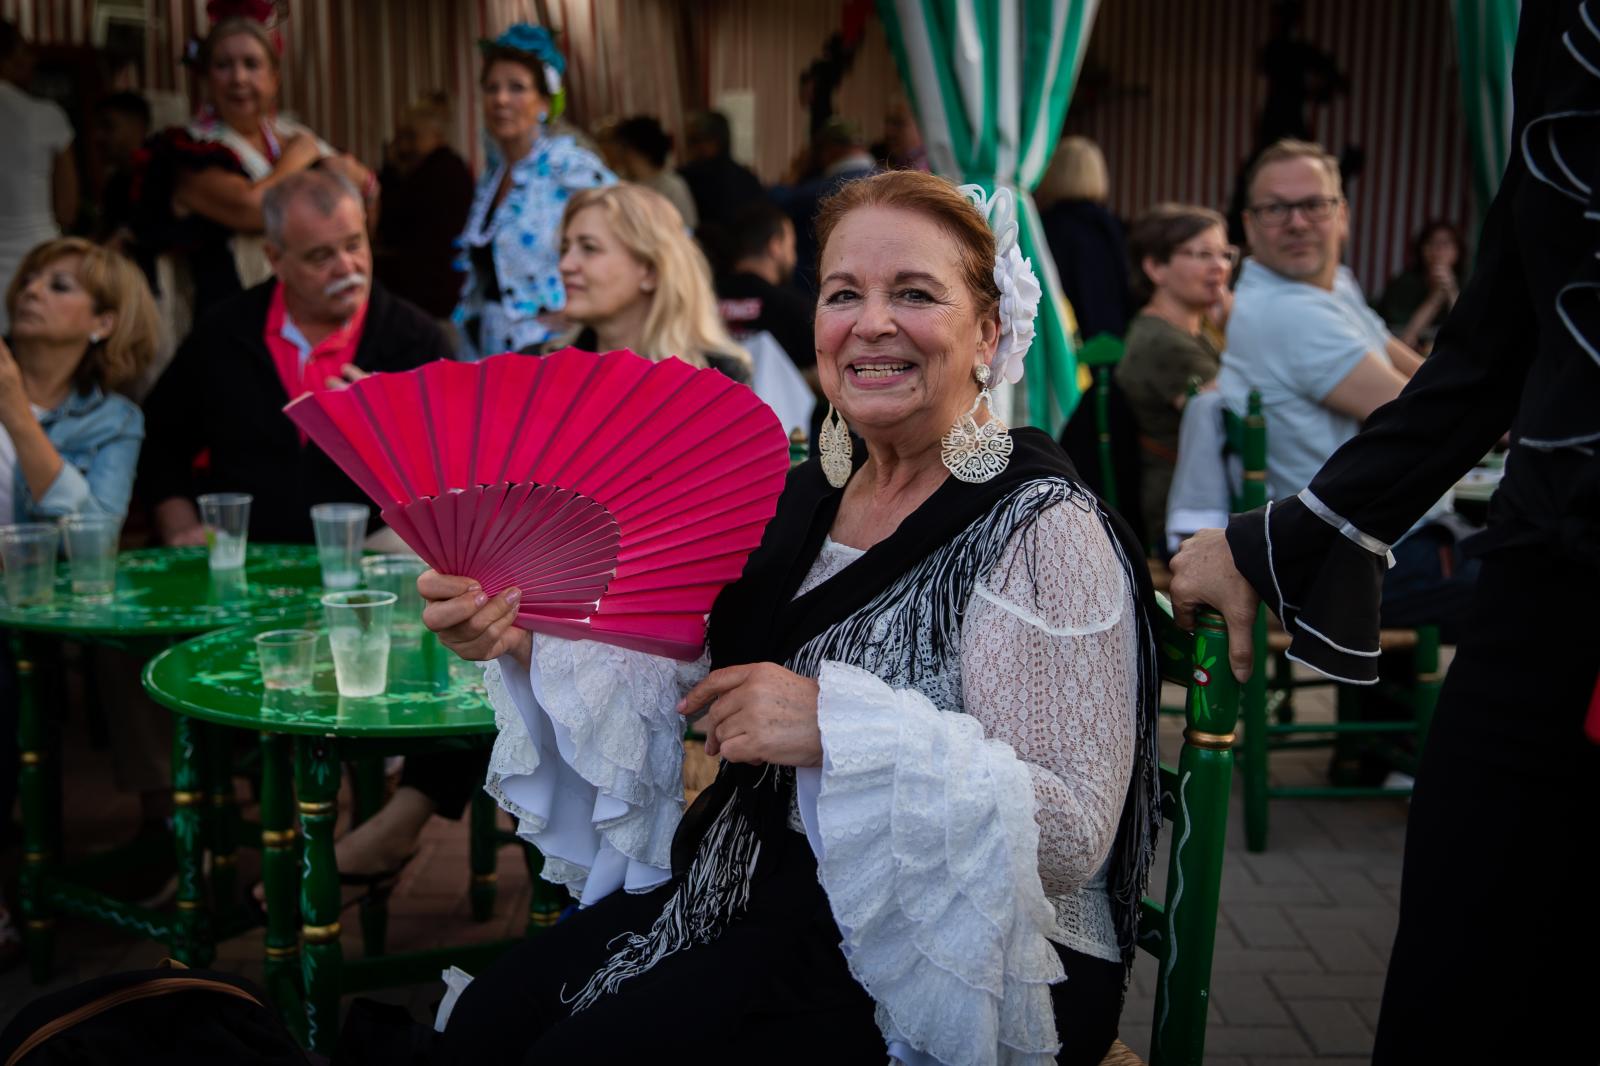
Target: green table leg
(192, 946)
(279, 875)
(224, 819)
(317, 777)
(34, 780)
(366, 776)
(483, 844)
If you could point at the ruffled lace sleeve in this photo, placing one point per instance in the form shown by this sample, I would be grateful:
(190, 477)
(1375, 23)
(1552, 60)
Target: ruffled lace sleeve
(1049, 667)
(589, 760)
(938, 834)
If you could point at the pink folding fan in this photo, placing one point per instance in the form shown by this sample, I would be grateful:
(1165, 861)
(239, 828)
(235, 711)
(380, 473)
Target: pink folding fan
(618, 494)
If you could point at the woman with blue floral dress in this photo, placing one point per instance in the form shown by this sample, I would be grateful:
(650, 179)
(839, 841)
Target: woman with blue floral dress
(512, 297)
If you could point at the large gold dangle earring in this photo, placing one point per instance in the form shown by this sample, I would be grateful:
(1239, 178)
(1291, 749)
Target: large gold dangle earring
(975, 453)
(834, 444)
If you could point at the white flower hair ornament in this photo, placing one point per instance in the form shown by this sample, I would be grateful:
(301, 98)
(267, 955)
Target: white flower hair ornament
(1018, 284)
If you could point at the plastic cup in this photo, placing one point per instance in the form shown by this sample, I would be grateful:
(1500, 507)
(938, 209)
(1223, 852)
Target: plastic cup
(286, 657)
(358, 632)
(91, 541)
(340, 529)
(226, 516)
(398, 574)
(28, 553)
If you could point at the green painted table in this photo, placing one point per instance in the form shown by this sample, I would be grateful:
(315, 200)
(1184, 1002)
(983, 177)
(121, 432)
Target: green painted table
(162, 594)
(432, 701)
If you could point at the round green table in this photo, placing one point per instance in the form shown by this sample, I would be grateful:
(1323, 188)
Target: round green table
(167, 592)
(432, 700)
(161, 594)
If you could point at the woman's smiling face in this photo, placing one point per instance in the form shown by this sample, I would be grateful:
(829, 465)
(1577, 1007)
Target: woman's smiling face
(899, 335)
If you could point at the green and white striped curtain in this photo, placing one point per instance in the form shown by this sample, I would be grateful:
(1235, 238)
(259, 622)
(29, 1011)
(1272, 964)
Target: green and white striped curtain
(1486, 34)
(990, 81)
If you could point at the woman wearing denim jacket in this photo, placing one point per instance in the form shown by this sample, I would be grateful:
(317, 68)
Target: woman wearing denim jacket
(512, 297)
(82, 322)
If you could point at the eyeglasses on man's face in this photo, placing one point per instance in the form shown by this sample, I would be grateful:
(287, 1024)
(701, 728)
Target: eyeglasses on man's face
(1226, 257)
(1312, 209)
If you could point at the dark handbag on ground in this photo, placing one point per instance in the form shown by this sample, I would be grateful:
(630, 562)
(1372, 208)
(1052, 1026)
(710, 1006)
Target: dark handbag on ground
(167, 1015)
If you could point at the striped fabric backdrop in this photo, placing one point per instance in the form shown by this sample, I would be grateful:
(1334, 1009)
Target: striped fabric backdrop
(764, 47)
(51, 21)
(1171, 92)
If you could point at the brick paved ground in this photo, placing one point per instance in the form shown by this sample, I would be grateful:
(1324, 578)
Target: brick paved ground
(1301, 944)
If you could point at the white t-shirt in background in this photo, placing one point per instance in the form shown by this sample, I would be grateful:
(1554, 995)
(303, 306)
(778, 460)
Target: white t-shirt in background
(33, 132)
(1294, 343)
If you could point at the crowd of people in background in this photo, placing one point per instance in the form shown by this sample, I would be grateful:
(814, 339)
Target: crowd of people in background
(240, 260)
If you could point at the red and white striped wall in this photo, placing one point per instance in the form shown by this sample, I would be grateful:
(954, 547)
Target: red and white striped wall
(1172, 93)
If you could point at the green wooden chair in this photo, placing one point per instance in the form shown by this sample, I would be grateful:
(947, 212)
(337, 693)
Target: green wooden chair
(1181, 930)
(1101, 355)
(1267, 699)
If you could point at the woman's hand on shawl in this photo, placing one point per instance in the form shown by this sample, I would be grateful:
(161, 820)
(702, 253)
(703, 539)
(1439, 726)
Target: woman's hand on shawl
(469, 622)
(758, 713)
(1203, 574)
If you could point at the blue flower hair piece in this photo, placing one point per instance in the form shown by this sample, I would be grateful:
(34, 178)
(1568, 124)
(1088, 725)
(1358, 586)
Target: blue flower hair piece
(535, 40)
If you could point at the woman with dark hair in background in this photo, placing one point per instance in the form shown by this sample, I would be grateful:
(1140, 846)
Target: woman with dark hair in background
(637, 149)
(512, 298)
(1415, 301)
(1181, 261)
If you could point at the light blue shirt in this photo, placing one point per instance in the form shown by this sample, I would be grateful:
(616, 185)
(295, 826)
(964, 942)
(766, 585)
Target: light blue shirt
(1293, 343)
(98, 436)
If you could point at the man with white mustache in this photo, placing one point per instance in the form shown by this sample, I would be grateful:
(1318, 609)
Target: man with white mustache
(320, 324)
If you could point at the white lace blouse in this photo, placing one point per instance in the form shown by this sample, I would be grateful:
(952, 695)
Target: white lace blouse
(951, 846)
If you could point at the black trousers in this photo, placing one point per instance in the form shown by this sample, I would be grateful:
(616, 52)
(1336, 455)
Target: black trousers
(774, 987)
(1493, 961)
(449, 778)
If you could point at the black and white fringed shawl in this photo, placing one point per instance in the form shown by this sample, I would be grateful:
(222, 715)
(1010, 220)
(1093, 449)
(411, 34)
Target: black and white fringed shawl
(896, 612)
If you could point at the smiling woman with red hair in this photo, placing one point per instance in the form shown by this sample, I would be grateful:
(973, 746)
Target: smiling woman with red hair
(934, 694)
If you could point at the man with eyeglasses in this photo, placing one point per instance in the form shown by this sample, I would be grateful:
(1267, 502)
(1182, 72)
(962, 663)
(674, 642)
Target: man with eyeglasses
(1302, 335)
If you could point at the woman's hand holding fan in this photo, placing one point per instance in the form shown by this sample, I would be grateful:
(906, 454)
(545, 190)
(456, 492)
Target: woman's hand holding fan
(617, 495)
(471, 623)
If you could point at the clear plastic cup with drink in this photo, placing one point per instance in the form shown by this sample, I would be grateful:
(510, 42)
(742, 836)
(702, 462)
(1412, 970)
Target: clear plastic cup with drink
(287, 657)
(226, 516)
(398, 573)
(340, 529)
(28, 555)
(91, 543)
(358, 632)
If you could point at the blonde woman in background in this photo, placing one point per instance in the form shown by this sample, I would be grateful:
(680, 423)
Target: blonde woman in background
(1086, 239)
(82, 324)
(635, 279)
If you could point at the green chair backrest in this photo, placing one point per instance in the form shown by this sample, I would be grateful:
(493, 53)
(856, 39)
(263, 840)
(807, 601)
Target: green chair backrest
(1101, 355)
(1247, 438)
(1181, 931)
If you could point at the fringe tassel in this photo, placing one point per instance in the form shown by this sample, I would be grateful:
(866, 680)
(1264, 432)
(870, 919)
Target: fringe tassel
(1134, 849)
(915, 624)
(715, 889)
